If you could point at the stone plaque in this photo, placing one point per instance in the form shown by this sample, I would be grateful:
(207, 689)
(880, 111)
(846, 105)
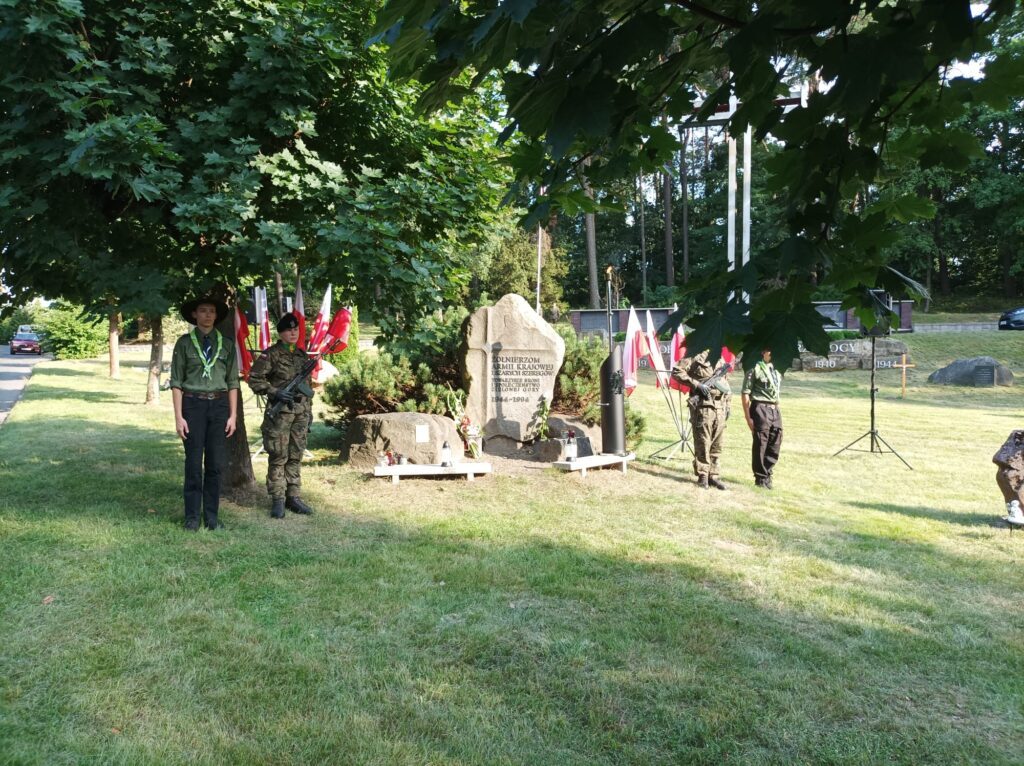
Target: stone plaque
(512, 359)
(851, 354)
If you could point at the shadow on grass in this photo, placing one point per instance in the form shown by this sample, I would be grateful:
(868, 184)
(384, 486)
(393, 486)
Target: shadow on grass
(919, 512)
(442, 647)
(42, 390)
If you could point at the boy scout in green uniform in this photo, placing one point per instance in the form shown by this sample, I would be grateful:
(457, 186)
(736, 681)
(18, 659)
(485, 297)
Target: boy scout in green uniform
(761, 409)
(204, 387)
(709, 408)
(284, 436)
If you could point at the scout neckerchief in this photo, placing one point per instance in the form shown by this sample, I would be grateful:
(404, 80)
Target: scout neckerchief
(204, 355)
(770, 378)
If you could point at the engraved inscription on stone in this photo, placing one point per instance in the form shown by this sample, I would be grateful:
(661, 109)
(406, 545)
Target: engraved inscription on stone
(512, 360)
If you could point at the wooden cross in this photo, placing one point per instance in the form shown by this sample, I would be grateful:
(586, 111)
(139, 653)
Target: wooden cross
(903, 367)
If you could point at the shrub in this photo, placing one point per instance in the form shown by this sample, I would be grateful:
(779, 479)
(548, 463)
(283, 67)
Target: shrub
(437, 343)
(70, 334)
(578, 386)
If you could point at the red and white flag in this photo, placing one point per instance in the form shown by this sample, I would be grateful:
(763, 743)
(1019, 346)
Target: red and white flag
(320, 324)
(678, 352)
(633, 350)
(262, 318)
(242, 355)
(654, 357)
(300, 312)
(338, 330)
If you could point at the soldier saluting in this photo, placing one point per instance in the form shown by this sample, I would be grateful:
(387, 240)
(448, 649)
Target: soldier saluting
(284, 433)
(709, 409)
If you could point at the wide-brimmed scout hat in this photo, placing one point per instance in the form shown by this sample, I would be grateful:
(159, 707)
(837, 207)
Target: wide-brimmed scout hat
(190, 306)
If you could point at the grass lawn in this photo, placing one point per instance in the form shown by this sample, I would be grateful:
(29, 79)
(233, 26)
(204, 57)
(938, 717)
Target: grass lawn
(861, 613)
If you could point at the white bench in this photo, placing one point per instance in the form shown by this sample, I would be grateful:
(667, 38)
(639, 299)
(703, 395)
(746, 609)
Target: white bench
(396, 472)
(581, 464)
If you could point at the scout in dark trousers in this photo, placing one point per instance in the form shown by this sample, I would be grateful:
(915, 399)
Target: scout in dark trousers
(284, 436)
(204, 385)
(761, 409)
(709, 409)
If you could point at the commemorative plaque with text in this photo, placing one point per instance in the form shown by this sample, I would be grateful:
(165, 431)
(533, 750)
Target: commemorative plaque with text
(512, 360)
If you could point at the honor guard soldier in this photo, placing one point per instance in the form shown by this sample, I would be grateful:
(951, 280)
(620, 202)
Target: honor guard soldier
(204, 386)
(709, 409)
(760, 398)
(284, 435)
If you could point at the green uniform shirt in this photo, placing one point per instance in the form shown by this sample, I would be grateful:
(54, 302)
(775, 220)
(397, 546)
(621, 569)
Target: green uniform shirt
(762, 383)
(274, 368)
(187, 366)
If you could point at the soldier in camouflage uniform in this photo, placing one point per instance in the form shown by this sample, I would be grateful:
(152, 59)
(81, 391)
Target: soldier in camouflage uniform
(709, 408)
(284, 437)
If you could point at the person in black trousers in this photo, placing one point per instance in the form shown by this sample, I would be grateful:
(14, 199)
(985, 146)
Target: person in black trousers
(760, 398)
(204, 385)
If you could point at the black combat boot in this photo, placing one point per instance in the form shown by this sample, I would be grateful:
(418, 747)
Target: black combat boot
(714, 482)
(297, 506)
(702, 481)
(277, 510)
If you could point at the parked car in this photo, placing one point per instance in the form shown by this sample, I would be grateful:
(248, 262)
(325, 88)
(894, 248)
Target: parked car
(25, 343)
(1012, 319)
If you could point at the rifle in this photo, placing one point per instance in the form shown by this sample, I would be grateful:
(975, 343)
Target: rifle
(701, 390)
(298, 382)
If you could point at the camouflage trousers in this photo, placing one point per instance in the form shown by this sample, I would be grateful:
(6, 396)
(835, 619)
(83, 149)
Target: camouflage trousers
(708, 438)
(284, 439)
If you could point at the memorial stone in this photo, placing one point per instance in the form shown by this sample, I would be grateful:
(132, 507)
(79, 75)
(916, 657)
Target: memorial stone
(963, 372)
(512, 360)
(852, 354)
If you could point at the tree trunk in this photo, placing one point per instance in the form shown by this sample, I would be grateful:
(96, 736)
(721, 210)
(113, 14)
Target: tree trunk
(928, 284)
(666, 202)
(279, 288)
(643, 239)
(943, 272)
(684, 139)
(239, 473)
(591, 226)
(156, 360)
(114, 345)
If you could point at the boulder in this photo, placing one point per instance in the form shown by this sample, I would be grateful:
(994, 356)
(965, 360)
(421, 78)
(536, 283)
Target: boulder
(962, 371)
(1010, 471)
(417, 436)
(512, 359)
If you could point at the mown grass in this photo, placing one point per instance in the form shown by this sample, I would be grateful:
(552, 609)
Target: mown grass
(860, 613)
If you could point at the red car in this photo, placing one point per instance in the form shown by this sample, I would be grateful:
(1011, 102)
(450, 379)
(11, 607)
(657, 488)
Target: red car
(25, 343)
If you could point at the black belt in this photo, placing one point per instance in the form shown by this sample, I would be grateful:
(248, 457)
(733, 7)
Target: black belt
(764, 404)
(205, 394)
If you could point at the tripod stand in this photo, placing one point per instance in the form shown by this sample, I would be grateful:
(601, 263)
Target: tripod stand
(876, 440)
(681, 424)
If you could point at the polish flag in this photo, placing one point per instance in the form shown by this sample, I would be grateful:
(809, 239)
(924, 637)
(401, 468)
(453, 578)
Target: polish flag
(320, 324)
(262, 319)
(300, 312)
(337, 331)
(677, 355)
(633, 350)
(654, 357)
(242, 355)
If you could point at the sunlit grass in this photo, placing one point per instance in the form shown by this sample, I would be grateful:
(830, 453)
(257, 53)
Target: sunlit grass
(859, 613)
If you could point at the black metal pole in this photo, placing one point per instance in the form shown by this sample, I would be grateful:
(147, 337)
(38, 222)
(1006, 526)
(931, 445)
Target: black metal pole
(874, 431)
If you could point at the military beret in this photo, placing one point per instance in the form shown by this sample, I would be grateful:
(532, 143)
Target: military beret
(287, 322)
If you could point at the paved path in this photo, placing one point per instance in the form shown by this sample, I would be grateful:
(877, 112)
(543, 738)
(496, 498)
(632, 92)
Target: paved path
(14, 374)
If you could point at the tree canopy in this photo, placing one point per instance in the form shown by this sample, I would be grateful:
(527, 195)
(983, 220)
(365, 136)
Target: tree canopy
(591, 79)
(151, 149)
